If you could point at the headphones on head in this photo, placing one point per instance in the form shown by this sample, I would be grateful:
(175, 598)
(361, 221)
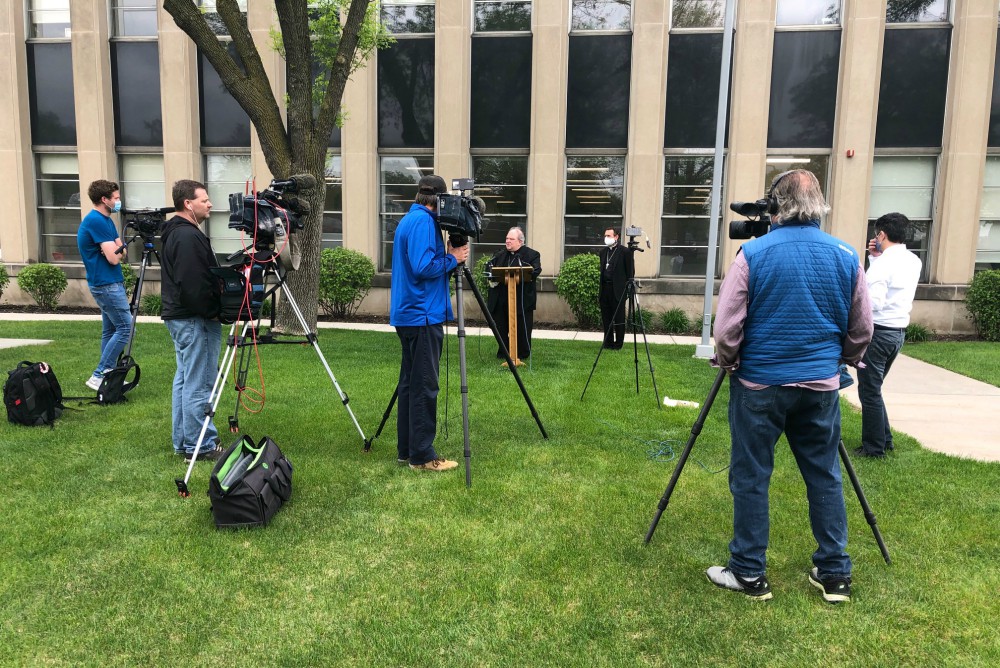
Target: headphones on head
(772, 201)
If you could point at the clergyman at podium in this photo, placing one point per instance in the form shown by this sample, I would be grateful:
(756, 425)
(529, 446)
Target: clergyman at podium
(516, 254)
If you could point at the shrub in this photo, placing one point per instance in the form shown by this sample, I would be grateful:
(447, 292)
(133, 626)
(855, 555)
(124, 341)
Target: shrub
(345, 277)
(4, 279)
(579, 283)
(983, 303)
(916, 333)
(44, 282)
(647, 321)
(675, 321)
(150, 305)
(128, 273)
(479, 274)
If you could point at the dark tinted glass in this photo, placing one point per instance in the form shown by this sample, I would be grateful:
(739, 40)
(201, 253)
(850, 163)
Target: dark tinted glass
(319, 71)
(501, 92)
(50, 92)
(406, 94)
(914, 85)
(994, 136)
(223, 121)
(135, 72)
(803, 89)
(598, 93)
(692, 90)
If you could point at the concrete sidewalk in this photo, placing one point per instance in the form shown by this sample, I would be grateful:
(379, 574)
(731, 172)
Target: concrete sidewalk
(945, 411)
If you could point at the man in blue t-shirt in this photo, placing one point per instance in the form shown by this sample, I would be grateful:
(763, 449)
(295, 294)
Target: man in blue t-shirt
(419, 305)
(102, 251)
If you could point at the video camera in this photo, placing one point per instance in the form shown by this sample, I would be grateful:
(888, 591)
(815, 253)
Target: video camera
(632, 232)
(461, 216)
(273, 212)
(145, 222)
(758, 216)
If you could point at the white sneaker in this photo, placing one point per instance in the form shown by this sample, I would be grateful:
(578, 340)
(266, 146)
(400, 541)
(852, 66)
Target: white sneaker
(94, 382)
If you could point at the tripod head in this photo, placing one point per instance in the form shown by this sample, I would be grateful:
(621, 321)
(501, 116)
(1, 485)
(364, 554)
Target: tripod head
(633, 244)
(144, 223)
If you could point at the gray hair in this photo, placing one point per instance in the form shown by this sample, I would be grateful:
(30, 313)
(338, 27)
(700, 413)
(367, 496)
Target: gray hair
(798, 195)
(520, 233)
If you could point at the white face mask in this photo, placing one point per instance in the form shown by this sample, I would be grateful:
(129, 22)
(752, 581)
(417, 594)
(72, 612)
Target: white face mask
(608, 241)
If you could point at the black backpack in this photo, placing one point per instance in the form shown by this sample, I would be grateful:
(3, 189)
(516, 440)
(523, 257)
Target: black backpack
(115, 384)
(32, 394)
(249, 483)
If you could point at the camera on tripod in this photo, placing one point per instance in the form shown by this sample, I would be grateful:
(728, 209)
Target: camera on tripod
(273, 212)
(758, 216)
(146, 222)
(461, 216)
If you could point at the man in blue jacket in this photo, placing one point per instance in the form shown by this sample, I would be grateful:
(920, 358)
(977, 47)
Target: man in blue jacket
(792, 309)
(419, 305)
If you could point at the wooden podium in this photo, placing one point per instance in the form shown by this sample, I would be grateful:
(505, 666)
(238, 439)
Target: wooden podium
(513, 276)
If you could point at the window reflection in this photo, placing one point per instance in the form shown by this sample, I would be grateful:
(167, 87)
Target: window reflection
(602, 15)
(225, 175)
(50, 94)
(922, 11)
(905, 184)
(684, 227)
(597, 96)
(501, 92)
(333, 205)
(502, 182)
(408, 16)
(503, 15)
(808, 12)
(406, 94)
(59, 206)
(135, 74)
(398, 179)
(595, 188)
(697, 13)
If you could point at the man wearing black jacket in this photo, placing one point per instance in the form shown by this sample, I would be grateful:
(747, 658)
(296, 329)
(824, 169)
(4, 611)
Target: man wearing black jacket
(190, 311)
(516, 254)
(616, 269)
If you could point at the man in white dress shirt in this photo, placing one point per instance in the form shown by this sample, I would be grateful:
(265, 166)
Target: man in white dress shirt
(893, 274)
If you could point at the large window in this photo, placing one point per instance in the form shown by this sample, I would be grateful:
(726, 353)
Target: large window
(408, 16)
(502, 182)
(224, 175)
(208, 7)
(686, 221)
(602, 14)
(908, 11)
(808, 12)
(803, 89)
(59, 206)
(817, 164)
(133, 18)
(48, 19)
(913, 87)
(503, 15)
(142, 182)
(988, 247)
(595, 188)
(135, 73)
(333, 206)
(406, 94)
(398, 177)
(50, 94)
(597, 96)
(693, 67)
(501, 92)
(905, 184)
(223, 121)
(697, 14)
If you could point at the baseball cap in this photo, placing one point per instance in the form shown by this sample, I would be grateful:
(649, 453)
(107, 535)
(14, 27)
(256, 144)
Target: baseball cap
(432, 184)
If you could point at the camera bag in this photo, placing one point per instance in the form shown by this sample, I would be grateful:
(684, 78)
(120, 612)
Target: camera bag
(115, 385)
(232, 286)
(249, 483)
(32, 394)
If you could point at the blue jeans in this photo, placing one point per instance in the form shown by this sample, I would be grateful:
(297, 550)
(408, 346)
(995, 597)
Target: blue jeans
(876, 437)
(116, 316)
(811, 422)
(416, 411)
(197, 343)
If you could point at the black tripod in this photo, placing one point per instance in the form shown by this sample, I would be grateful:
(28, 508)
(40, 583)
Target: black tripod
(696, 430)
(633, 315)
(148, 253)
(257, 267)
(461, 271)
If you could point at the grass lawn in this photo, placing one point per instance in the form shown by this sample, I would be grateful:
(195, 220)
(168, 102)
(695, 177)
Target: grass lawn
(540, 563)
(975, 359)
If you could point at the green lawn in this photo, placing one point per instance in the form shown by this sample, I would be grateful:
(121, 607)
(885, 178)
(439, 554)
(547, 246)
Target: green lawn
(540, 563)
(975, 359)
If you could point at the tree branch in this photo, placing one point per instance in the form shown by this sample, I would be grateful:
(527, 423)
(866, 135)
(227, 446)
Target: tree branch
(341, 70)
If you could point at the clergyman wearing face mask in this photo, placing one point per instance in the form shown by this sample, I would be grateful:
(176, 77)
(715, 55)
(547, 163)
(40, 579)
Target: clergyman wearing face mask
(616, 267)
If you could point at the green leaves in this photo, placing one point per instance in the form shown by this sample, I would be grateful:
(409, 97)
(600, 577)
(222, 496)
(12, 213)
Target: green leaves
(44, 282)
(345, 277)
(983, 302)
(579, 282)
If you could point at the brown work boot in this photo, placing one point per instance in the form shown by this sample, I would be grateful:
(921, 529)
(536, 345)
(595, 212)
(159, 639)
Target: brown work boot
(435, 465)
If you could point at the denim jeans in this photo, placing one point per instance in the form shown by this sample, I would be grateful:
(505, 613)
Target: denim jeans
(416, 412)
(811, 422)
(197, 343)
(116, 316)
(876, 436)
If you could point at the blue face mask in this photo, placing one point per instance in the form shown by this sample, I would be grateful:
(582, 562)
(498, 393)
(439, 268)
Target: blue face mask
(878, 246)
(117, 207)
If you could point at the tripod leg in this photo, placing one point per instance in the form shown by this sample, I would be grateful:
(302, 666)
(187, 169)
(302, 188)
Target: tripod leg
(312, 339)
(608, 333)
(649, 359)
(463, 377)
(695, 431)
(227, 363)
(869, 515)
(134, 303)
(385, 418)
(496, 335)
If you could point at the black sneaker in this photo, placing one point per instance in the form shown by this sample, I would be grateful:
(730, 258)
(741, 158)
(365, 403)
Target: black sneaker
(835, 588)
(861, 452)
(403, 462)
(757, 589)
(210, 455)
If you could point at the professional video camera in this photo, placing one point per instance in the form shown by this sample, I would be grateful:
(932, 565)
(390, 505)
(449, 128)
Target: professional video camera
(273, 212)
(759, 218)
(461, 216)
(145, 222)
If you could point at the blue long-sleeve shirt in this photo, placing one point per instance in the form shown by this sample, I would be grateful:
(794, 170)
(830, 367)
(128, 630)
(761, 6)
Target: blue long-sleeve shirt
(420, 269)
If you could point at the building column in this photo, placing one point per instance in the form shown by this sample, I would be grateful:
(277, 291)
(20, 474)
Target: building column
(753, 49)
(647, 109)
(547, 162)
(359, 162)
(92, 90)
(19, 231)
(260, 20)
(179, 95)
(963, 150)
(452, 88)
(857, 113)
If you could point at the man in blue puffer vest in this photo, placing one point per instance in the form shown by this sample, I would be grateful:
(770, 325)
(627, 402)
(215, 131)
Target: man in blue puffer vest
(792, 309)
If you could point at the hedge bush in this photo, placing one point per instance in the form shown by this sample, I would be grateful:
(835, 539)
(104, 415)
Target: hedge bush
(345, 277)
(479, 274)
(44, 282)
(131, 278)
(916, 333)
(4, 278)
(150, 305)
(579, 283)
(647, 321)
(983, 303)
(675, 321)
